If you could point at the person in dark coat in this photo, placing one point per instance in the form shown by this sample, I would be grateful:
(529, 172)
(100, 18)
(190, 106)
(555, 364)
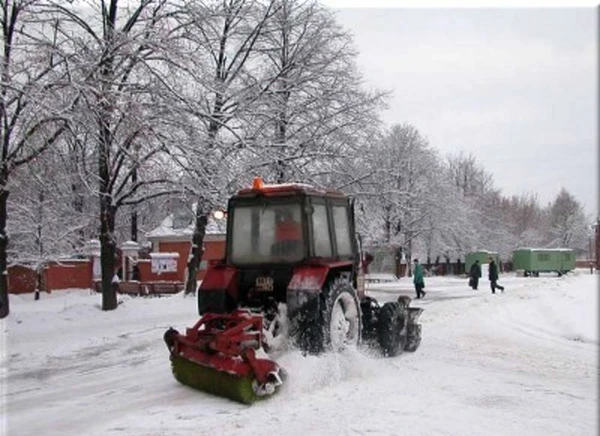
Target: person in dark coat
(474, 274)
(493, 276)
(418, 279)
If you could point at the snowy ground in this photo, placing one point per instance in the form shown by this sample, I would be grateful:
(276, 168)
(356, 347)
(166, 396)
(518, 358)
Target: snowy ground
(519, 363)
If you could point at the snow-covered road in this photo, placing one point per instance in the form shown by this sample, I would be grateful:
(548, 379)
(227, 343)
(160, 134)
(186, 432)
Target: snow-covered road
(519, 363)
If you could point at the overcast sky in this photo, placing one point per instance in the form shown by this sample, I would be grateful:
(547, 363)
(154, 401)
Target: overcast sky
(517, 88)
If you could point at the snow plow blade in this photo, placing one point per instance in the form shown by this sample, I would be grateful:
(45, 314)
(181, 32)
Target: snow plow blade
(213, 381)
(218, 356)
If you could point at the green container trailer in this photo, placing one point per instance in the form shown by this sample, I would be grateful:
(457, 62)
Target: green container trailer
(483, 256)
(568, 260)
(533, 261)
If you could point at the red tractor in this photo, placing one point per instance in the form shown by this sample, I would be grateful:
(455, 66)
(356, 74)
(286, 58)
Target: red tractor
(292, 273)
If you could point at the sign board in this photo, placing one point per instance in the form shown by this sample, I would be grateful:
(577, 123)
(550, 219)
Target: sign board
(164, 262)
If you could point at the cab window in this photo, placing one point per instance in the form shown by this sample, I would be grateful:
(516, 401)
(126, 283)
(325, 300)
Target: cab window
(342, 231)
(320, 226)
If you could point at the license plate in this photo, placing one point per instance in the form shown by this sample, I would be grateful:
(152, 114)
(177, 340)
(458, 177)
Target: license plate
(264, 284)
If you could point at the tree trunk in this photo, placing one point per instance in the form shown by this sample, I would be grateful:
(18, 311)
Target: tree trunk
(40, 225)
(134, 215)
(387, 225)
(409, 260)
(197, 245)
(107, 254)
(39, 280)
(281, 170)
(4, 306)
(78, 198)
(107, 208)
(107, 225)
(134, 226)
(283, 95)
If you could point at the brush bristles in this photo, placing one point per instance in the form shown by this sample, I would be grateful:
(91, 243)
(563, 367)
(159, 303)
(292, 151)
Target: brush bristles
(210, 380)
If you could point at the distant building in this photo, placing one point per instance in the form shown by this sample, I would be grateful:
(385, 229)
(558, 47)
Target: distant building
(174, 236)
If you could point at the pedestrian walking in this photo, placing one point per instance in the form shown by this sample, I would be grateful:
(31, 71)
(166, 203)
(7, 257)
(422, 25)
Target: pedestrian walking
(493, 276)
(418, 279)
(474, 275)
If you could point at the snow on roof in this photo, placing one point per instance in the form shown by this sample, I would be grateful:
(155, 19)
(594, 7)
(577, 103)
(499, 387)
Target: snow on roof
(164, 255)
(279, 187)
(165, 229)
(291, 185)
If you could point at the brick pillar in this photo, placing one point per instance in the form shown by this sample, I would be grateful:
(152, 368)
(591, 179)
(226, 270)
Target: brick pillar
(130, 250)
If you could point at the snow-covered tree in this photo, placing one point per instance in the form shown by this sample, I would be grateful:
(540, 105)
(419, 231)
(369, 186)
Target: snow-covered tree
(483, 221)
(315, 109)
(223, 36)
(406, 168)
(33, 101)
(469, 178)
(116, 53)
(49, 218)
(525, 220)
(567, 224)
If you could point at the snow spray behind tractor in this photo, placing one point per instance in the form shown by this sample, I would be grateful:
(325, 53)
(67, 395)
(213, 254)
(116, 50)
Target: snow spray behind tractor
(292, 272)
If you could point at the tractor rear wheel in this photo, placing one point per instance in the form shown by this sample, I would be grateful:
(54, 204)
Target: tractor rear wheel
(389, 329)
(338, 322)
(344, 318)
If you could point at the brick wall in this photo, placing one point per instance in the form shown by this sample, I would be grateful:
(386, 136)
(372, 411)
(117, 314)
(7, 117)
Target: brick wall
(78, 273)
(68, 274)
(64, 275)
(21, 279)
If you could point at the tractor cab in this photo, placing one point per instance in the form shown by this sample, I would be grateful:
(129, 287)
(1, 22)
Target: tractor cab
(278, 235)
(288, 224)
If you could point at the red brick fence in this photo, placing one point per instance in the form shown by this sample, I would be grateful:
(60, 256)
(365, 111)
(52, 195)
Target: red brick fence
(78, 274)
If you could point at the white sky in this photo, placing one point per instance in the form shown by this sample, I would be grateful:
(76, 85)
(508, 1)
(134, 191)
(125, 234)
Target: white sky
(517, 87)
